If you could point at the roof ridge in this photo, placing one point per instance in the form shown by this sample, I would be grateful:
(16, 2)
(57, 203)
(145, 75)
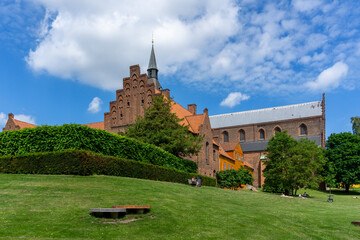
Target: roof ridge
(24, 122)
(265, 109)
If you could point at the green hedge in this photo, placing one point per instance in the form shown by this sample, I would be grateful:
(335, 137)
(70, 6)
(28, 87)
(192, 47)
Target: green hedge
(79, 162)
(78, 137)
(234, 178)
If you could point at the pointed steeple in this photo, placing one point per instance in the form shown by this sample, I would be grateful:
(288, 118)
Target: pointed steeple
(152, 69)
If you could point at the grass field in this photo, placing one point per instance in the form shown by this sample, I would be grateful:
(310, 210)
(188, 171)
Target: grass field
(57, 207)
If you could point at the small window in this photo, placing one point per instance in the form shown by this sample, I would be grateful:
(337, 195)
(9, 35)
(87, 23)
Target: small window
(235, 155)
(242, 135)
(226, 136)
(224, 166)
(303, 130)
(128, 104)
(142, 102)
(214, 155)
(121, 116)
(261, 134)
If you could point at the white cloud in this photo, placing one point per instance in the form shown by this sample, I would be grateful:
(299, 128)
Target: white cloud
(248, 45)
(25, 118)
(329, 78)
(95, 42)
(3, 119)
(95, 105)
(306, 5)
(234, 99)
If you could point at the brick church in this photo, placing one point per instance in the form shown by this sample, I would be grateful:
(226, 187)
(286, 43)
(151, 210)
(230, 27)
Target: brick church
(252, 129)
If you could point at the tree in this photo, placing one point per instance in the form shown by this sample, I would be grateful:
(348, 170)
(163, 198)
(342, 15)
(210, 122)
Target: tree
(160, 127)
(343, 153)
(292, 164)
(356, 125)
(234, 178)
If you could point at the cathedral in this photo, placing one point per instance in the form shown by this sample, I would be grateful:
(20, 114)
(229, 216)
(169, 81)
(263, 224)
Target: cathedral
(239, 137)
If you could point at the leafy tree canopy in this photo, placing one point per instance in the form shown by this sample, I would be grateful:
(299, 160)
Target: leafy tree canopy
(162, 128)
(356, 125)
(292, 164)
(234, 178)
(343, 153)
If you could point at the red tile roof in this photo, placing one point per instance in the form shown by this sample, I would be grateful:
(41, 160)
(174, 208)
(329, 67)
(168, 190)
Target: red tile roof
(97, 125)
(229, 146)
(223, 153)
(23, 125)
(195, 121)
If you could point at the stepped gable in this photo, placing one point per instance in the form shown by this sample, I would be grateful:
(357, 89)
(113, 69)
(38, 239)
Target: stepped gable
(274, 114)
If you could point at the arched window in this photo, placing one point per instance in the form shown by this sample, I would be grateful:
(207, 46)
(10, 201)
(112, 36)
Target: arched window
(261, 134)
(207, 152)
(242, 135)
(226, 136)
(277, 129)
(303, 130)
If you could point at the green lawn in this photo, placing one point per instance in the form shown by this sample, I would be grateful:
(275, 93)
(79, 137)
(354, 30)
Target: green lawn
(50, 207)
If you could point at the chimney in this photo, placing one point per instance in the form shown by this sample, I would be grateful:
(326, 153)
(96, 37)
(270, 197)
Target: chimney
(206, 111)
(11, 115)
(192, 108)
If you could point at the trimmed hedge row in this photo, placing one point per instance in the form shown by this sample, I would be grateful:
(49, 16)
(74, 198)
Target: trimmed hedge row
(78, 137)
(85, 163)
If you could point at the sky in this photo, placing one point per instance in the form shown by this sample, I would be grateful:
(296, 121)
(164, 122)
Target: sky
(62, 60)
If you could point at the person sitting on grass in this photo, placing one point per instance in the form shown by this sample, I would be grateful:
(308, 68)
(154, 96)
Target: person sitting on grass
(300, 196)
(198, 182)
(193, 181)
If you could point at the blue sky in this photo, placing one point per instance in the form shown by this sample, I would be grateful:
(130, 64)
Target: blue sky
(61, 60)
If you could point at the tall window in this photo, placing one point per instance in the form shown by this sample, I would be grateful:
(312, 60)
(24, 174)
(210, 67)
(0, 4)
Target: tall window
(303, 130)
(207, 152)
(277, 129)
(261, 134)
(214, 155)
(226, 136)
(242, 135)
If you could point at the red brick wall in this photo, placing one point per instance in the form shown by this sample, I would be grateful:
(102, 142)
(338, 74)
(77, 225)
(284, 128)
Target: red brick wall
(130, 101)
(315, 126)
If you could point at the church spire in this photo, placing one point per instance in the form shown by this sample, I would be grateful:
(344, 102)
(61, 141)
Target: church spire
(152, 69)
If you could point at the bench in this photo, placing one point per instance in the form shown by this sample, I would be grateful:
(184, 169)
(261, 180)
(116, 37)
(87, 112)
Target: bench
(191, 182)
(119, 211)
(138, 209)
(108, 212)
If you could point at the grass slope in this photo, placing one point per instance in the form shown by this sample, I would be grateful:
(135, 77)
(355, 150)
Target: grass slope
(57, 207)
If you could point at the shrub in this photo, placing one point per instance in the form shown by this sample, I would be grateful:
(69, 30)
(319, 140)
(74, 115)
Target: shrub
(85, 163)
(78, 137)
(234, 178)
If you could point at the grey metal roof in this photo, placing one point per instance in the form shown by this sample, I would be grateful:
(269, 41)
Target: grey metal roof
(261, 145)
(152, 61)
(273, 114)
